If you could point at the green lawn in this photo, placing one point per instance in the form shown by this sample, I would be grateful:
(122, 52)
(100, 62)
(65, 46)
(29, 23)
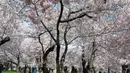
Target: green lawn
(9, 72)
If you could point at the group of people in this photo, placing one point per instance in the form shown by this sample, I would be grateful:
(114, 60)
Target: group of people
(73, 70)
(34, 69)
(30, 70)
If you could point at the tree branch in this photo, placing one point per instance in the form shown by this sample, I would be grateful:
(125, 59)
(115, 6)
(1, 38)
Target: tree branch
(74, 18)
(44, 24)
(73, 39)
(12, 62)
(6, 39)
(73, 12)
(48, 51)
(66, 44)
(39, 39)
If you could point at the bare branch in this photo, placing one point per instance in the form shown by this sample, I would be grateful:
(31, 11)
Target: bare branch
(44, 25)
(73, 39)
(73, 12)
(74, 18)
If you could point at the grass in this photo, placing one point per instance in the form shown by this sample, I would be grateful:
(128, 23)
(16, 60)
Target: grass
(9, 71)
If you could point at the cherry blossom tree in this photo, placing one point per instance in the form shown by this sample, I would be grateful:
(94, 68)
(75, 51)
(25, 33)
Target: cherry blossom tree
(100, 28)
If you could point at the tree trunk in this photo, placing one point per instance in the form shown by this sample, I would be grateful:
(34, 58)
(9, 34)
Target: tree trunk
(58, 68)
(30, 71)
(17, 69)
(61, 67)
(94, 70)
(128, 71)
(108, 69)
(57, 59)
(45, 58)
(39, 68)
(58, 38)
(11, 65)
(39, 65)
(45, 68)
(25, 69)
(83, 65)
(62, 60)
(89, 66)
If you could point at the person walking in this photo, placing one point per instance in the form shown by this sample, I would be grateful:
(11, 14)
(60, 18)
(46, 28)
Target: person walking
(65, 69)
(20, 70)
(50, 70)
(35, 70)
(74, 70)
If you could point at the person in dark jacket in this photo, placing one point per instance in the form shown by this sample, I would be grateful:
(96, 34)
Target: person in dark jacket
(100, 72)
(65, 69)
(74, 70)
(1, 68)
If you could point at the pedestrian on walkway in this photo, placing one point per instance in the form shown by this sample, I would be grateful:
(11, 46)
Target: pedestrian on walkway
(35, 69)
(20, 70)
(50, 70)
(65, 69)
(74, 70)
